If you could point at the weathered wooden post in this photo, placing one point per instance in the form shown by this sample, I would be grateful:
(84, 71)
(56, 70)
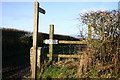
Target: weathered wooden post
(51, 39)
(35, 37)
(39, 56)
(89, 36)
(89, 32)
(58, 58)
(39, 52)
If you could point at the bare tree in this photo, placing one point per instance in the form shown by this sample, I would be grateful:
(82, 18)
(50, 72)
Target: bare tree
(104, 23)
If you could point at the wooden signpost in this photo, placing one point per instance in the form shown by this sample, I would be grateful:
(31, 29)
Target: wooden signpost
(35, 38)
(50, 41)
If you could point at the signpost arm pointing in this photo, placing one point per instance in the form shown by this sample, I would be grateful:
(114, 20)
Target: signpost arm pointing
(41, 10)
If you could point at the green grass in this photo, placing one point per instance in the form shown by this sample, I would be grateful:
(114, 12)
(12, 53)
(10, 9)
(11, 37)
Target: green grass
(59, 72)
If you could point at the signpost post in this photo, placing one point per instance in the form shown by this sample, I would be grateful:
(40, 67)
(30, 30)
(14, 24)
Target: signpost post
(35, 37)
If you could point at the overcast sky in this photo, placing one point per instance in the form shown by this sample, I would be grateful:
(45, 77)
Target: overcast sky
(19, 15)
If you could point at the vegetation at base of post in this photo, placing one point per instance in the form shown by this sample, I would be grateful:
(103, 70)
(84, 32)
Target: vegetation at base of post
(60, 70)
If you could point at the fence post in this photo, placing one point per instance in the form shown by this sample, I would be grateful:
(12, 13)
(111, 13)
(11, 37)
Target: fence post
(89, 36)
(39, 50)
(51, 38)
(89, 32)
(39, 57)
(31, 58)
(58, 59)
(35, 35)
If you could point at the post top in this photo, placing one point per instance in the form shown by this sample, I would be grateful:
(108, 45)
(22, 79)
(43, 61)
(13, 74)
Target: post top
(36, 2)
(51, 24)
